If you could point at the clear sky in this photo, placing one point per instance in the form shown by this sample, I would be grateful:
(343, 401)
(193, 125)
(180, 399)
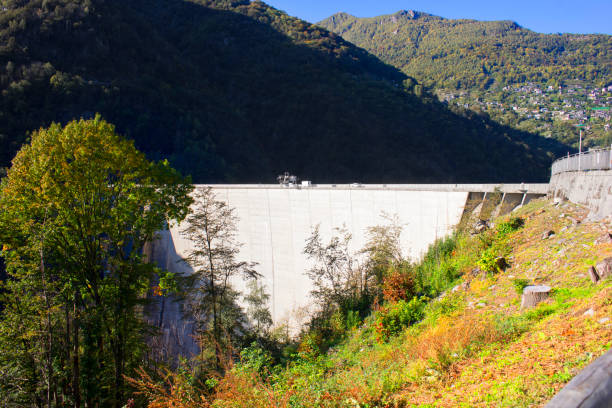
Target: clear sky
(544, 16)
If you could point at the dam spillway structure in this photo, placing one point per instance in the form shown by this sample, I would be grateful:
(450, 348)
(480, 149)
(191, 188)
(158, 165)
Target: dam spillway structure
(274, 222)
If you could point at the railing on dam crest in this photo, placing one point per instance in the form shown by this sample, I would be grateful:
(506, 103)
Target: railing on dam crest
(600, 159)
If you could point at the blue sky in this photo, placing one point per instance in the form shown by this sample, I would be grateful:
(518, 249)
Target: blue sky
(544, 16)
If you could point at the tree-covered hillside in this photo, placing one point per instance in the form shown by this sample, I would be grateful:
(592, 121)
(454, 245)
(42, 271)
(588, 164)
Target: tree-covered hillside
(467, 54)
(239, 91)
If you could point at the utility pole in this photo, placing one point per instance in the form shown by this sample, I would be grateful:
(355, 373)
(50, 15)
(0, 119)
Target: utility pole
(580, 150)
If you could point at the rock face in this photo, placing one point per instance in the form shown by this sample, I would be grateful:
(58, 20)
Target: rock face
(534, 294)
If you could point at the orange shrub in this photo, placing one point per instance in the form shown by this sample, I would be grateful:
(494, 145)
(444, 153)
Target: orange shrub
(398, 286)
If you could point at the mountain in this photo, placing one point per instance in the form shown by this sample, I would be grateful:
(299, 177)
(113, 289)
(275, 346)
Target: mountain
(465, 54)
(237, 91)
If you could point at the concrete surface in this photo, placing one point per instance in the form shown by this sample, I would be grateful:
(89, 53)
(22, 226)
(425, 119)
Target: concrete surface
(590, 188)
(275, 221)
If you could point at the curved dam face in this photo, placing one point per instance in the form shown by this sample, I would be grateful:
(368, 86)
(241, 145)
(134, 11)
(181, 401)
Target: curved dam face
(275, 221)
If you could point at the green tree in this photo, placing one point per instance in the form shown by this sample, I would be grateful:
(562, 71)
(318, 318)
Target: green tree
(76, 208)
(212, 301)
(335, 275)
(257, 307)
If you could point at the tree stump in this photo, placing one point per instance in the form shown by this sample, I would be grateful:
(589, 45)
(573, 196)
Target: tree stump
(534, 294)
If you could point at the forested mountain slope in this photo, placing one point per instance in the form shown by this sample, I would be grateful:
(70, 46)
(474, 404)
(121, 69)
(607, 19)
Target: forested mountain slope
(239, 91)
(468, 53)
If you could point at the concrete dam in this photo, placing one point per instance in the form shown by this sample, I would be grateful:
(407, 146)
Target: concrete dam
(274, 222)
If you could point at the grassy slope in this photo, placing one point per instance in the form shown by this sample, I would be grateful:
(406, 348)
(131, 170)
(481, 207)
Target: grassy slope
(475, 347)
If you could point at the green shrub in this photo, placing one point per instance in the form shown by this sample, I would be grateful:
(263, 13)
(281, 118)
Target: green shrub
(254, 359)
(492, 258)
(352, 319)
(394, 317)
(443, 307)
(519, 285)
(438, 269)
(509, 226)
(488, 260)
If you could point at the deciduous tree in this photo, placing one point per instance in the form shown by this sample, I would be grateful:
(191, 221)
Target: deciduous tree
(76, 208)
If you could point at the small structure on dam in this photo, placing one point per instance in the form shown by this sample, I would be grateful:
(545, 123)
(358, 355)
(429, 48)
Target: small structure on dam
(276, 220)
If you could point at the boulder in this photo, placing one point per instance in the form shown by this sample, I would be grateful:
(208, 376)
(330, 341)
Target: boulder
(480, 226)
(548, 234)
(604, 268)
(593, 275)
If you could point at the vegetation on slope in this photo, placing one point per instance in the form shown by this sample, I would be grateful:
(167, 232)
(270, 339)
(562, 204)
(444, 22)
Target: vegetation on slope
(239, 91)
(472, 346)
(480, 65)
(475, 54)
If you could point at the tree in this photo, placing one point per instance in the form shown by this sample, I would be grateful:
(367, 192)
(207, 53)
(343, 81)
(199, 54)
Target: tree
(334, 274)
(211, 227)
(257, 309)
(76, 208)
(382, 249)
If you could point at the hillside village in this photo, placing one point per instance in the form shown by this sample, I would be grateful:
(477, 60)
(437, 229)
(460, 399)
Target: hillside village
(546, 109)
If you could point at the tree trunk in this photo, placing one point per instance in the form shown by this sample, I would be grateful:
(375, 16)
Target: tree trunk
(76, 376)
(532, 295)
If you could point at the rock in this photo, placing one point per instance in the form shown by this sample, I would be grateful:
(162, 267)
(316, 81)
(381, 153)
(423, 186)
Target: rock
(604, 320)
(475, 272)
(533, 295)
(481, 304)
(548, 234)
(462, 286)
(593, 275)
(604, 268)
(589, 313)
(479, 226)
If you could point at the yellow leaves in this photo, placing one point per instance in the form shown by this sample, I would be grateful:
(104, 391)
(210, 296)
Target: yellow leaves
(157, 291)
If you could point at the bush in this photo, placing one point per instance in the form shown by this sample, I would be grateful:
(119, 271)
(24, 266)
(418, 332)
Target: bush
(394, 317)
(352, 319)
(509, 226)
(254, 359)
(398, 286)
(438, 270)
(492, 258)
(519, 285)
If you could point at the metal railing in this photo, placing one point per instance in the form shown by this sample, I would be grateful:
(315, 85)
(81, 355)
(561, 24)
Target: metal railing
(600, 159)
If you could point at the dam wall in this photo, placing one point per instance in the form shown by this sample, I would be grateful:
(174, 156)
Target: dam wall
(275, 221)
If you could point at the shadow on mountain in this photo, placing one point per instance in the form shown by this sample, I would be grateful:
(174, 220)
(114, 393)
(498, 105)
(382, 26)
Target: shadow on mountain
(241, 95)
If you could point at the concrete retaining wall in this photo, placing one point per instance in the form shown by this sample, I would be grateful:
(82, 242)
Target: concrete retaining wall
(590, 188)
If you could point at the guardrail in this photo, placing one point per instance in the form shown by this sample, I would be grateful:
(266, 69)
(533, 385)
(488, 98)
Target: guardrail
(600, 159)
